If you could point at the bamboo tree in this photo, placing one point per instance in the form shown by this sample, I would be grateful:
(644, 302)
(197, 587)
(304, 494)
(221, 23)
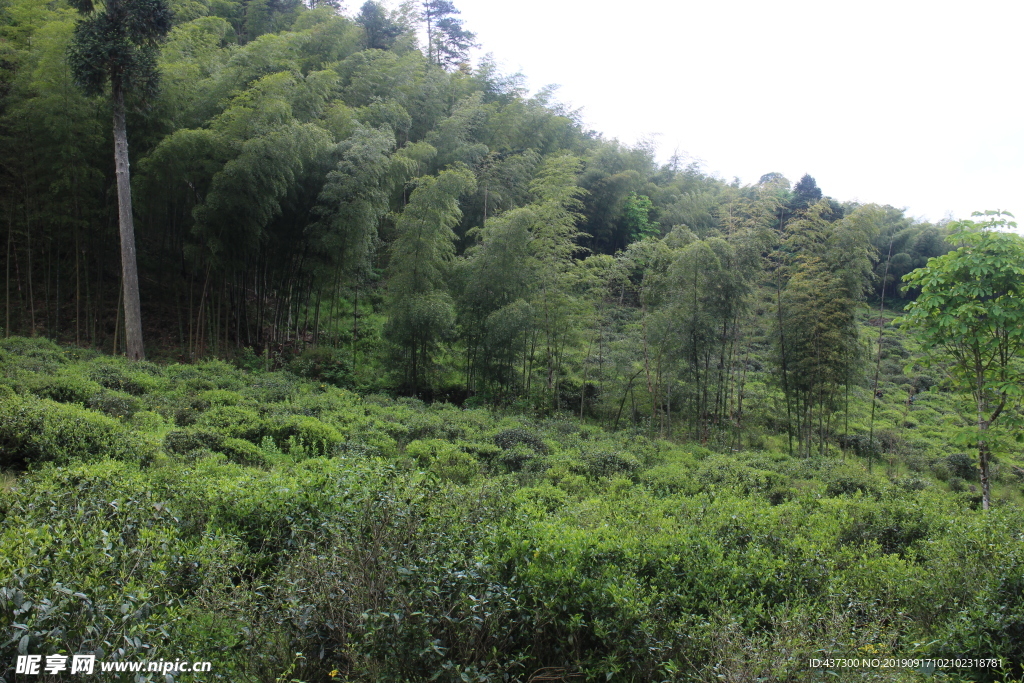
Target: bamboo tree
(421, 312)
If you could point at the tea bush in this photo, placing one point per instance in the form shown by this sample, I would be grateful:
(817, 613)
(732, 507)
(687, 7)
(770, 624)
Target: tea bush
(313, 436)
(390, 540)
(236, 422)
(65, 387)
(34, 431)
(136, 380)
(115, 403)
(510, 438)
(324, 364)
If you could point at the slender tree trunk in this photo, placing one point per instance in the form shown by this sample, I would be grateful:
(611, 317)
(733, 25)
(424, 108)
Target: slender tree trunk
(625, 393)
(355, 329)
(984, 421)
(782, 355)
(117, 319)
(983, 462)
(7, 286)
(129, 269)
(28, 267)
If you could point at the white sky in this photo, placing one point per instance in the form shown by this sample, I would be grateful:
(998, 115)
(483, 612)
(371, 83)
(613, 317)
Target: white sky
(904, 102)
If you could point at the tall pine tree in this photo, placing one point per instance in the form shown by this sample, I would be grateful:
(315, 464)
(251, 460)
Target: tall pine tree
(119, 44)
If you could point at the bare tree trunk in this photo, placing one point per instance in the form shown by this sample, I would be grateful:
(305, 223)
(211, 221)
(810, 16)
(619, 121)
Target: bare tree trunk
(129, 269)
(117, 319)
(7, 286)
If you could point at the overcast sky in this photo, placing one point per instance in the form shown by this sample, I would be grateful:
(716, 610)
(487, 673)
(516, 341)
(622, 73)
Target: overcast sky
(904, 102)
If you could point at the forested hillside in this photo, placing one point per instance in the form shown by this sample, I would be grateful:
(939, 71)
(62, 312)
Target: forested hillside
(442, 385)
(305, 179)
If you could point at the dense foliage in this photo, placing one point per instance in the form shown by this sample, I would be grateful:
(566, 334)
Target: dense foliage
(244, 517)
(451, 388)
(293, 160)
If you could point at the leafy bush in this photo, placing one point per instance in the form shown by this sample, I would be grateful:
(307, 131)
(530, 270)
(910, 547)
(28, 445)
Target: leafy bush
(912, 483)
(65, 387)
(957, 485)
(271, 387)
(34, 431)
(845, 479)
(236, 422)
(323, 364)
(609, 463)
(517, 457)
(185, 441)
(115, 403)
(510, 438)
(313, 436)
(129, 380)
(220, 397)
(723, 472)
(962, 465)
(455, 466)
(147, 421)
(426, 451)
(33, 355)
(242, 452)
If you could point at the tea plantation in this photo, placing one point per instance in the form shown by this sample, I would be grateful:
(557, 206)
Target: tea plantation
(286, 529)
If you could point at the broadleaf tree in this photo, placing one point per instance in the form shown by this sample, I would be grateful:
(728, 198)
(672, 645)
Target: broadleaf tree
(969, 317)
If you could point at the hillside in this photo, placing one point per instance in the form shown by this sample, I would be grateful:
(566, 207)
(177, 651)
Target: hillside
(423, 380)
(242, 517)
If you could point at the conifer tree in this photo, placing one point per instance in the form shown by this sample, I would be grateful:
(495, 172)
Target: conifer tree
(118, 44)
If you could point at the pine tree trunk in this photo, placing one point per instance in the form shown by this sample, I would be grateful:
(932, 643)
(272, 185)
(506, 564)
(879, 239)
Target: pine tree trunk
(129, 270)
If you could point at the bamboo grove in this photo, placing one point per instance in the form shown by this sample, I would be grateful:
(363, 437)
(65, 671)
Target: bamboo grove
(311, 180)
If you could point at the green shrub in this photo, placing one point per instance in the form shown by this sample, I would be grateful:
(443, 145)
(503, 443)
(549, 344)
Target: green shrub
(426, 451)
(724, 472)
(236, 422)
(34, 431)
(912, 483)
(669, 479)
(517, 457)
(66, 387)
(220, 397)
(131, 380)
(483, 451)
(310, 434)
(184, 441)
(845, 478)
(610, 463)
(242, 452)
(510, 438)
(323, 364)
(33, 355)
(115, 403)
(271, 387)
(371, 443)
(957, 484)
(147, 421)
(962, 465)
(455, 466)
